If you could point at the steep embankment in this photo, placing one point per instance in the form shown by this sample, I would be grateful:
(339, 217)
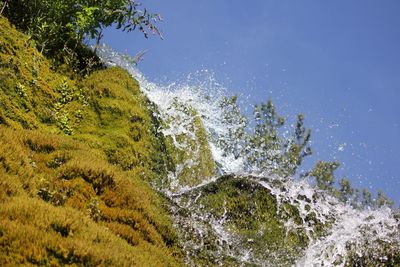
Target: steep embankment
(74, 157)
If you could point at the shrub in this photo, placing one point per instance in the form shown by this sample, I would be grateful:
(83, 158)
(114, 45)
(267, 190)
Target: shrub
(61, 26)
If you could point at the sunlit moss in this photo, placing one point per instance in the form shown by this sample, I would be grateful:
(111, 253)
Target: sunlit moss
(75, 155)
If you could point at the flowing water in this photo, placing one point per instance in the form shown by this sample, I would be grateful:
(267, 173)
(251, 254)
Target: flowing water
(350, 232)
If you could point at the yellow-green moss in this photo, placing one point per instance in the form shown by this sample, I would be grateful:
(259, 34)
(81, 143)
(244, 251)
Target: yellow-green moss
(75, 155)
(36, 233)
(122, 124)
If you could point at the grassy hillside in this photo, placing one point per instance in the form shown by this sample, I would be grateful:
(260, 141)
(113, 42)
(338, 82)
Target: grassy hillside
(75, 155)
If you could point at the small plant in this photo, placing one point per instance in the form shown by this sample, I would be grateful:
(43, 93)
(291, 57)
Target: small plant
(93, 209)
(20, 89)
(83, 97)
(66, 93)
(63, 124)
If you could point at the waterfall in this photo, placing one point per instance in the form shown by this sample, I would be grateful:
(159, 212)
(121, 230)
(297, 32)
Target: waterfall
(334, 233)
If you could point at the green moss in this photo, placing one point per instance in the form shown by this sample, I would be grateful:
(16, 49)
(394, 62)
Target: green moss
(252, 217)
(76, 156)
(121, 122)
(380, 254)
(192, 156)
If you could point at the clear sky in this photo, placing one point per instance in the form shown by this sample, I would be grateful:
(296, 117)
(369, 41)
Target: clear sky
(337, 62)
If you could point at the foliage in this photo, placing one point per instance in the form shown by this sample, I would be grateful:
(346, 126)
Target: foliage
(60, 26)
(324, 176)
(267, 149)
(383, 200)
(265, 142)
(345, 190)
(264, 147)
(235, 141)
(323, 172)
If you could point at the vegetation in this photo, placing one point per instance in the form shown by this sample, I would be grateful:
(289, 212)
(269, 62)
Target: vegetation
(263, 146)
(75, 155)
(251, 216)
(60, 27)
(189, 151)
(267, 150)
(78, 154)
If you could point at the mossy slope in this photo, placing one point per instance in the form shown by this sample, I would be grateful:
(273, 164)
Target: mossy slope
(74, 154)
(251, 218)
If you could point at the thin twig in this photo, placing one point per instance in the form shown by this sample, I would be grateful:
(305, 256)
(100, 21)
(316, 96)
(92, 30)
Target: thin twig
(4, 6)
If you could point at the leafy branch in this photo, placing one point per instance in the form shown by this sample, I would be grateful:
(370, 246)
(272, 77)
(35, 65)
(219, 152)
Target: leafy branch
(61, 27)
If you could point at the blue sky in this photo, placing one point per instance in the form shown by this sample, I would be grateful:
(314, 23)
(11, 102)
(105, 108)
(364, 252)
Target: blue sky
(337, 62)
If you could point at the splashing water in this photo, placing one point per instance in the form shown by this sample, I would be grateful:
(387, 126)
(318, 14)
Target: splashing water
(351, 233)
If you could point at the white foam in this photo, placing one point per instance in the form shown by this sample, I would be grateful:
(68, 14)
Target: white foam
(350, 228)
